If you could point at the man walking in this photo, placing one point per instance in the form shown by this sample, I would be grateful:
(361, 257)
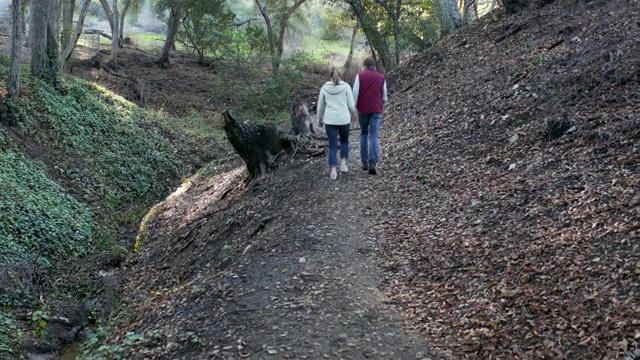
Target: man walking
(370, 96)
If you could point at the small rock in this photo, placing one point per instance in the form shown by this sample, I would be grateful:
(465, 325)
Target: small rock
(512, 167)
(302, 260)
(514, 139)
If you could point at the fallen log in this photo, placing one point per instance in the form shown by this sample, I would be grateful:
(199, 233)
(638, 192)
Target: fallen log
(97, 32)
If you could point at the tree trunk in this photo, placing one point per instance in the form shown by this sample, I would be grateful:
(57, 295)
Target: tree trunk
(352, 47)
(283, 28)
(366, 29)
(16, 51)
(115, 40)
(66, 54)
(108, 13)
(68, 7)
(24, 25)
(53, 18)
(272, 45)
(163, 60)
(44, 44)
(395, 17)
(257, 144)
(449, 16)
(467, 11)
(378, 44)
(121, 27)
(301, 120)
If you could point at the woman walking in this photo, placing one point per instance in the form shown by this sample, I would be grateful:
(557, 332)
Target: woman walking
(335, 107)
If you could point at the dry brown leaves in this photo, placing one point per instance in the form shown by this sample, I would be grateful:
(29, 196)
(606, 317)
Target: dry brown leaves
(500, 243)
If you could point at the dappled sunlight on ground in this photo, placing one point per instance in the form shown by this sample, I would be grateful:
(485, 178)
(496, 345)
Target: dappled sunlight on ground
(201, 194)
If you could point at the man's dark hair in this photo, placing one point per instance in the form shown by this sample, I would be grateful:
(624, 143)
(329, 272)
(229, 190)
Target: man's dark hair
(369, 63)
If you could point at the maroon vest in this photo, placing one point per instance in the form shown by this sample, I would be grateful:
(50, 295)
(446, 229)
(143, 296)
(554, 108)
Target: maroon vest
(370, 93)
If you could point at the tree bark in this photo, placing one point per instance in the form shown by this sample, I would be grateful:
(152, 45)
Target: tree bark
(379, 46)
(366, 29)
(449, 16)
(107, 12)
(44, 44)
(301, 120)
(68, 7)
(395, 16)
(66, 54)
(467, 13)
(283, 28)
(24, 25)
(163, 60)
(53, 18)
(121, 27)
(257, 144)
(16, 51)
(272, 45)
(115, 40)
(352, 46)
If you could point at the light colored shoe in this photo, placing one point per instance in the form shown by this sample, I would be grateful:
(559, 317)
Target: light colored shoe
(334, 173)
(343, 165)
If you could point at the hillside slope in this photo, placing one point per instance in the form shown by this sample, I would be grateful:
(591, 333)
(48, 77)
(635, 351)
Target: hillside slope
(513, 229)
(78, 173)
(504, 221)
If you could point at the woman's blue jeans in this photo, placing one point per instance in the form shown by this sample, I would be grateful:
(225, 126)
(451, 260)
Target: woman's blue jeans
(333, 131)
(369, 129)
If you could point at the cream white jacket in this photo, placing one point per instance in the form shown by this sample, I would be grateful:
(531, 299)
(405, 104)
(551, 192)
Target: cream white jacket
(335, 104)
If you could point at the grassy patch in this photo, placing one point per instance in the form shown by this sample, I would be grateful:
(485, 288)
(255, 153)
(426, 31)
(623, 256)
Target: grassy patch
(148, 41)
(320, 50)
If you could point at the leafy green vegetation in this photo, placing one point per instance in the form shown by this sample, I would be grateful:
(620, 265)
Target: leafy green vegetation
(34, 208)
(10, 337)
(96, 349)
(105, 145)
(320, 51)
(261, 97)
(83, 164)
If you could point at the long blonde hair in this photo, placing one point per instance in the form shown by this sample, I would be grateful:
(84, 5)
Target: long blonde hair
(335, 76)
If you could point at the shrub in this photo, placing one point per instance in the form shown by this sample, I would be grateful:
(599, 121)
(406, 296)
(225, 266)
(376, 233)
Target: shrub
(264, 97)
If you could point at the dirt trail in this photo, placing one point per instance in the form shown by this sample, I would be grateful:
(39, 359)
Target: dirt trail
(299, 276)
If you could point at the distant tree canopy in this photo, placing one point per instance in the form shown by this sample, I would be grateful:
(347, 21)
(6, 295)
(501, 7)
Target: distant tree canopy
(248, 30)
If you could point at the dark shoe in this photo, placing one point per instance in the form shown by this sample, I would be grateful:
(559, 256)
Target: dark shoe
(372, 170)
(365, 166)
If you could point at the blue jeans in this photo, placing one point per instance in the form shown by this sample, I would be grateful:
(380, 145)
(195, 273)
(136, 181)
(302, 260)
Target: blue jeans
(332, 133)
(369, 129)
